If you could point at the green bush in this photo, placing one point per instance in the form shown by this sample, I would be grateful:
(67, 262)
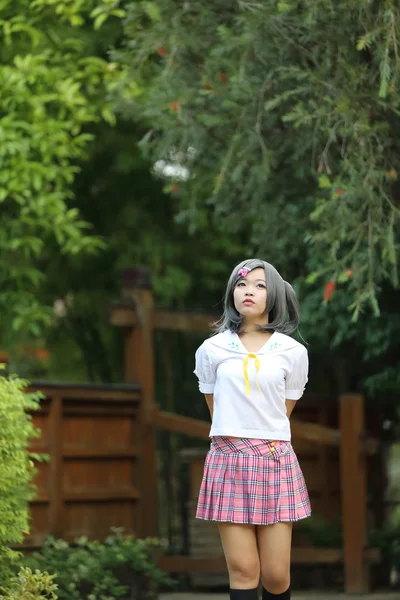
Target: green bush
(30, 586)
(16, 467)
(321, 533)
(387, 539)
(121, 567)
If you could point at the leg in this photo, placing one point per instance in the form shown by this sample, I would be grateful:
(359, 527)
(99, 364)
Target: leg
(274, 543)
(239, 543)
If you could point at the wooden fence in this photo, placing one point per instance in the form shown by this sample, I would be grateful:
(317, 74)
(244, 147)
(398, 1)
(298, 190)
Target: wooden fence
(92, 481)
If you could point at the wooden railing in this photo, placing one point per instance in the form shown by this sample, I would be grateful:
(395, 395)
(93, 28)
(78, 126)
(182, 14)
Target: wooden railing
(311, 432)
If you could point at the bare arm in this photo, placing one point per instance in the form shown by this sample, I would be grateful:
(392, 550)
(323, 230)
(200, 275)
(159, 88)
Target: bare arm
(290, 404)
(210, 403)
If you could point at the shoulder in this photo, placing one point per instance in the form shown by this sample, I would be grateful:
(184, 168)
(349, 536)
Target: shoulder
(289, 345)
(219, 340)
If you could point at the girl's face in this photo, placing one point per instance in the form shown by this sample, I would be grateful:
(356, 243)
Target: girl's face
(250, 295)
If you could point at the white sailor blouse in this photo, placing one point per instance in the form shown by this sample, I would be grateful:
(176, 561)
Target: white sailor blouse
(250, 388)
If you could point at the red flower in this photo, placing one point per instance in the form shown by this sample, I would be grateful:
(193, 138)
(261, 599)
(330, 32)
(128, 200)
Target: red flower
(161, 51)
(349, 272)
(175, 106)
(207, 86)
(391, 174)
(42, 354)
(223, 77)
(339, 192)
(329, 289)
(175, 187)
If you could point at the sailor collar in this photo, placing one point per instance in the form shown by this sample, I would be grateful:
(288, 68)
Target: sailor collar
(230, 341)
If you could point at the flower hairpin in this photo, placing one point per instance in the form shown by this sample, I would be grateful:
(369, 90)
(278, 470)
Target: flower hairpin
(243, 272)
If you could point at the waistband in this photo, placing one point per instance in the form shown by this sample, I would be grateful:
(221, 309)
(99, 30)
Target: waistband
(254, 447)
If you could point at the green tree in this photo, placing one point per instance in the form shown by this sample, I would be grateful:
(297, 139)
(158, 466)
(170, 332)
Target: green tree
(53, 85)
(128, 208)
(286, 116)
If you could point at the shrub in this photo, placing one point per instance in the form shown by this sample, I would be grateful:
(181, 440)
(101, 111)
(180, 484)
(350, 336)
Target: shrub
(16, 467)
(321, 533)
(121, 567)
(387, 539)
(30, 586)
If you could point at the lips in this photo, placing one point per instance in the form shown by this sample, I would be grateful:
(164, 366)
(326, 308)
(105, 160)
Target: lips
(249, 302)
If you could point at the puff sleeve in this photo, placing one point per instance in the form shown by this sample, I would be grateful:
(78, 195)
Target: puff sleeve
(297, 378)
(204, 370)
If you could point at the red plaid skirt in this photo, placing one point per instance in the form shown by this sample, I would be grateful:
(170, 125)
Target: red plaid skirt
(252, 481)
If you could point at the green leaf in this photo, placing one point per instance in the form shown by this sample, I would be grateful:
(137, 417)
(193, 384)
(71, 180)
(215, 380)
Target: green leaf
(99, 20)
(76, 20)
(108, 115)
(343, 277)
(153, 11)
(324, 182)
(312, 277)
(363, 43)
(283, 7)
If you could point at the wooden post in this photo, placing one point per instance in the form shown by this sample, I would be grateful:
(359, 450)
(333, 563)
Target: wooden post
(56, 507)
(354, 493)
(323, 467)
(139, 368)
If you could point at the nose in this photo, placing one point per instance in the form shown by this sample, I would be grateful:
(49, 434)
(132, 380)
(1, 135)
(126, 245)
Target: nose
(249, 293)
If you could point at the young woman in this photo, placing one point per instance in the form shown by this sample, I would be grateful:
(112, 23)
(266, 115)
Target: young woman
(252, 373)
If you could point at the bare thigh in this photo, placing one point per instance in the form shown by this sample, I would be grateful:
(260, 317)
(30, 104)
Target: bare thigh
(239, 543)
(274, 545)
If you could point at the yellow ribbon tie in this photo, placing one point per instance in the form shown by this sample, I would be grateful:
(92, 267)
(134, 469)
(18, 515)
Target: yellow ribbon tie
(246, 373)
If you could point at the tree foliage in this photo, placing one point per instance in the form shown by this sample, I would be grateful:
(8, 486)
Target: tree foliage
(129, 210)
(286, 116)
(52, 86)
(210, 90)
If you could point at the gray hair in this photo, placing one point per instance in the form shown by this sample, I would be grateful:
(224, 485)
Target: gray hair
(282, 304)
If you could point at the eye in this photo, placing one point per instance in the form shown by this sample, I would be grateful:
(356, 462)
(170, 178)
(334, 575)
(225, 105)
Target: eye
(241, 284)
(261, 285)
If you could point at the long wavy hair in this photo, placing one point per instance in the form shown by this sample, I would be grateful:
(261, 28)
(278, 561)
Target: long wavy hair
(282, 305)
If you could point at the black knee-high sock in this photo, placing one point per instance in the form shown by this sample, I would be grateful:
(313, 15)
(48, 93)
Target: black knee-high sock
(243, 594)
(268, 596)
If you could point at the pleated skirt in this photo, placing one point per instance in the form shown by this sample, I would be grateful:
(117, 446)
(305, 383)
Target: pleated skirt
(252, 481)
